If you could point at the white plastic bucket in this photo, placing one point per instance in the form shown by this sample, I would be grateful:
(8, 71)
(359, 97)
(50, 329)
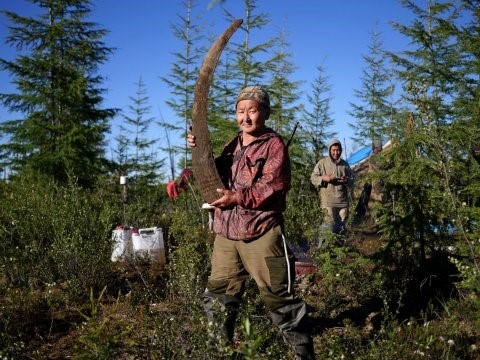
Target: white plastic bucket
(148, 245)
(122, 244)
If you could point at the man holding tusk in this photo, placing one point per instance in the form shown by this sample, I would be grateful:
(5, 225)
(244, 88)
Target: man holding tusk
(248, 223)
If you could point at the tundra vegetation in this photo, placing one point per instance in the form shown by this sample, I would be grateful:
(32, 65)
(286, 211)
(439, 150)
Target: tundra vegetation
(403, 284)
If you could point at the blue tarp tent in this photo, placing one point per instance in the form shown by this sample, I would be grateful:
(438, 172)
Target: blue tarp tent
(359, 155)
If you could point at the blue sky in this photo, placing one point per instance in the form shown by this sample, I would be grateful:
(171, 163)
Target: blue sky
(334, 34)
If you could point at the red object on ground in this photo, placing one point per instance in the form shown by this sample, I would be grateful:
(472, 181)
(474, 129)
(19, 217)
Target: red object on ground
(305, 267)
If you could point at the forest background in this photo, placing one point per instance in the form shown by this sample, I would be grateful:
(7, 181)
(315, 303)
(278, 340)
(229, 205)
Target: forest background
(145, 48)
(411, 290)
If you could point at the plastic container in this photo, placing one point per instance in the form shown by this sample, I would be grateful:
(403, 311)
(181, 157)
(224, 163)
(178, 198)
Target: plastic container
(122, 244)
(148, 245)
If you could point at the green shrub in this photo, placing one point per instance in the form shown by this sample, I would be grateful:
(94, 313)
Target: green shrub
(52, 234)
(190, 261)
(346, 278)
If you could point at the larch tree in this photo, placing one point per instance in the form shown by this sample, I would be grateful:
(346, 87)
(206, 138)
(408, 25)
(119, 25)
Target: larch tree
(62, 127)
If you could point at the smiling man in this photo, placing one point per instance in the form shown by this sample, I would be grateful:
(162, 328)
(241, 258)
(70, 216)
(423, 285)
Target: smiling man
(334, 177)
(248, 222)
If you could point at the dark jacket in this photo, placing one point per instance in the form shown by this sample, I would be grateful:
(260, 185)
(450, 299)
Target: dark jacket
(260, 173)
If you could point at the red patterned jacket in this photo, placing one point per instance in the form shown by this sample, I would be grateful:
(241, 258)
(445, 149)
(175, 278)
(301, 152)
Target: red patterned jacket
(260, 172)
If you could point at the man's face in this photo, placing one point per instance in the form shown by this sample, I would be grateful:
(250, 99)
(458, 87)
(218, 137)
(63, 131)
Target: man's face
(251, 116)
(335, 152)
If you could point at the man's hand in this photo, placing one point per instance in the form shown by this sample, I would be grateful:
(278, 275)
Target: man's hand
(327, 178)
(228, 200)
(191, 140)
(333, 180)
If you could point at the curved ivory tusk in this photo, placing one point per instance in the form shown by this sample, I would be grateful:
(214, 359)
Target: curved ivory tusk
(203, 163)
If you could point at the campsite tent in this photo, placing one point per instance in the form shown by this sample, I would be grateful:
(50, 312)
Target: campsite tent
(361, 155)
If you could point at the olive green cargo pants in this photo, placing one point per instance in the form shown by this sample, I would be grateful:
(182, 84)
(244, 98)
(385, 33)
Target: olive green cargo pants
(267, 261)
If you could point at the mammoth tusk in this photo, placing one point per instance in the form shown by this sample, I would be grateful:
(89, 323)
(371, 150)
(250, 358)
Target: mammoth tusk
(203, 163)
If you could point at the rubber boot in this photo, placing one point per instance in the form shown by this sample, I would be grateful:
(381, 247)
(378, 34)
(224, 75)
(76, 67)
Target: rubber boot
(222, 312)
(292, 321)
(304, 351)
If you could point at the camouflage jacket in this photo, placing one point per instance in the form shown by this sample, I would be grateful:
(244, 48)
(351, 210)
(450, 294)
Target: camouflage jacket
(260, 173)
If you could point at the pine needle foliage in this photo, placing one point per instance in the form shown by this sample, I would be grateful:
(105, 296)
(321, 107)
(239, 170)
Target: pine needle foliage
(62, 125)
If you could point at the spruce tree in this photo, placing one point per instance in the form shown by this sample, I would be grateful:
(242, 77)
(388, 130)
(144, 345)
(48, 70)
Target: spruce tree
(183, 74)
(374, 110)
(221, 107)
(121, 153)
(466, 135)
(284, 119)
(168, 148)
(417, 176)
(317, 117)
(242, 64)
(142, 167)
(467, 104)
(62, 126)
(251, 60)
(284, 92)
(305, 150)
